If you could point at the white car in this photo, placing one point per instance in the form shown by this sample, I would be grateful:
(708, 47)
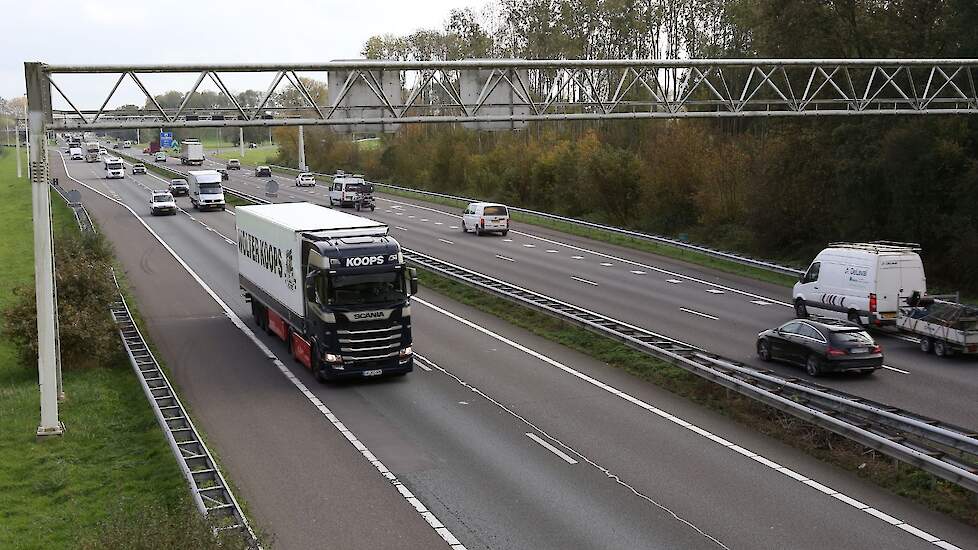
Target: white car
(160, 157)
(305, 179)
(162, 202)
(865, 283)
(485, 217)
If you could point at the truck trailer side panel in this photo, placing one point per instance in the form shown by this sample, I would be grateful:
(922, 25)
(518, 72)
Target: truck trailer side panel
(269, 258)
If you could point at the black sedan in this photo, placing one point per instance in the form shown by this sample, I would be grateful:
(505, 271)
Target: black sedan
(821, 346)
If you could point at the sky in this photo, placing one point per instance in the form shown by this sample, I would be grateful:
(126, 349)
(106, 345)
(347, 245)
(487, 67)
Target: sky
(94, 32)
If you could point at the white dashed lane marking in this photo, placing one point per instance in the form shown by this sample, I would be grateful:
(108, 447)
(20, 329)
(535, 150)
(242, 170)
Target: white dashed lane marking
(446, 241)
(714, 291)
(694, 312)
(505, 258)
(760, 302)
(551, 448)
(585, 281)
(638, 272)
(674, 281)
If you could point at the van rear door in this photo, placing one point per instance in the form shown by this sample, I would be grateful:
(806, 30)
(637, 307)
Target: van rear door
(898, 277)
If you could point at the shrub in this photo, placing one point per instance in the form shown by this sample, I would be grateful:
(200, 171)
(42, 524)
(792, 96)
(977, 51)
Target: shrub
(85, 291)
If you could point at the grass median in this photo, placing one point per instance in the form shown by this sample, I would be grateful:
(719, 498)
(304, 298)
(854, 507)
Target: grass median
(111, 477)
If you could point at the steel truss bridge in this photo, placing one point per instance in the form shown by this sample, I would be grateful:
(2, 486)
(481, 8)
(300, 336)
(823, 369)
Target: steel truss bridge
(508, 93)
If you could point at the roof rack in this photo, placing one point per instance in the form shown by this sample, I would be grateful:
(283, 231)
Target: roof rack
(880, 246)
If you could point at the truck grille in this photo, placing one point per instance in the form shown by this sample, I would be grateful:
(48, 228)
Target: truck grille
(369, 344)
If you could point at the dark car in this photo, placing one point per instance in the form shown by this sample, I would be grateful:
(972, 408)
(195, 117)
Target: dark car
(263, 172)
(179, 186)
(821, 346)
(224, 174)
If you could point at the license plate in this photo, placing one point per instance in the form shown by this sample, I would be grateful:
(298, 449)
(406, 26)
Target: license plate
(858, 350)
(374, 372)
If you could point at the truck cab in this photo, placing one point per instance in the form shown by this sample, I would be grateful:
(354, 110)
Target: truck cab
(334, 286)
(206, 192)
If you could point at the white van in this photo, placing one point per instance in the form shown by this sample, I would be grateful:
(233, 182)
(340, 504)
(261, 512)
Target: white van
(344, 189)
(485, 217)
(206, 191)
(865, 283)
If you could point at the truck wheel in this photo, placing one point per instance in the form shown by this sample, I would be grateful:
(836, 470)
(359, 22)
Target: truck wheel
(316, 365)
(478, 231)
(801, 312)
(464, 229)
(926, 345)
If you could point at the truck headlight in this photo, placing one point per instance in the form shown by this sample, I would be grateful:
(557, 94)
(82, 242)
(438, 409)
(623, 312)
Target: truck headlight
(405, 352)
(332, 358)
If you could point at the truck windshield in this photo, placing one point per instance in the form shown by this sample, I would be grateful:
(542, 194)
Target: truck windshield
(372, 288)
(210, 188)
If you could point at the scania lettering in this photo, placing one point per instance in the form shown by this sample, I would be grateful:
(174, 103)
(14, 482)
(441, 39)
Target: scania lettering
(332, 285)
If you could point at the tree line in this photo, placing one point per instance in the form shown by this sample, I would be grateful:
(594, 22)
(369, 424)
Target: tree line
(781, 189)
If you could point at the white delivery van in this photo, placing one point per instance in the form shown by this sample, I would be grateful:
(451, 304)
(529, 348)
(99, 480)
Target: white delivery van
(866, 283)
(76, 153)
(485, 217)
(206, 192)
(344, 189)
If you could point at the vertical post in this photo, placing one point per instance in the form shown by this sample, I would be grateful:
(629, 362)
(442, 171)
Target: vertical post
(241, 143)
(39, 112)
(20, 172)
(137, 136)
(302, 151)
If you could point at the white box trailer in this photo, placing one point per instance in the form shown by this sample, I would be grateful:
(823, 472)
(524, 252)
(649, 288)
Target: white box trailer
(191, 152)
(334, 286)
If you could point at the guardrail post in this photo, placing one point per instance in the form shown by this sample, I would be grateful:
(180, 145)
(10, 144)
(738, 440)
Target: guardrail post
(39, 107)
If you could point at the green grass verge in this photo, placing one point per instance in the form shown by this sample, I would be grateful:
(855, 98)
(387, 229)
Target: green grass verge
(55, 492)
(262, 155)
(899, 478)
(619, 240)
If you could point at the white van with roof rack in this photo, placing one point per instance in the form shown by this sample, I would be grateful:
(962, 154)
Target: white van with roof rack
(865, 283)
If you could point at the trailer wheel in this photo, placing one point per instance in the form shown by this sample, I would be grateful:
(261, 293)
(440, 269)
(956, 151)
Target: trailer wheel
(926, 344)
(941, 349)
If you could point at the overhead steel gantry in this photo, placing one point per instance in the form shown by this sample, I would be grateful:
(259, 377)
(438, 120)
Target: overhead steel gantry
(494, 94)
(512, 91)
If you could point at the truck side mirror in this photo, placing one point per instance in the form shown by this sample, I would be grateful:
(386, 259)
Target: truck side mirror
(413, 274)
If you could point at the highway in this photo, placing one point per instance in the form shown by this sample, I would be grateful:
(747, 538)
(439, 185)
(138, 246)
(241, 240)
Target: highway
(509, 440)
(717, 311)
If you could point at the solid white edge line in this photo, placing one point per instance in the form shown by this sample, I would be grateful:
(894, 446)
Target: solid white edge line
(585, 281)
(425, 514)
(787, 472)
(551, 448)
(701, 314)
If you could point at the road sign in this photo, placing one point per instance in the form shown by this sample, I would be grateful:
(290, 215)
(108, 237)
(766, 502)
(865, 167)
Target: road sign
(166, 139)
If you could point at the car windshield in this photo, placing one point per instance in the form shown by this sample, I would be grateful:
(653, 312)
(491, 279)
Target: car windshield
(209, 188)
(494, 211)
(372, 288)
(162, 198)
(178, 182)
(856, 337)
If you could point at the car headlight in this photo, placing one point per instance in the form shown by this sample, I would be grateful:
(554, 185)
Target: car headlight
(405, 352)
(332, 358)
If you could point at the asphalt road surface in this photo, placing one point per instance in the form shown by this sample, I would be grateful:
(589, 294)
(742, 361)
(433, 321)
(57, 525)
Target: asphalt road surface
(719, 312)
(509, 440)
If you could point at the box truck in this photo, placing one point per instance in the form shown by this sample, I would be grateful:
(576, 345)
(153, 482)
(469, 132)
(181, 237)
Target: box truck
(92, 150)
(332, 285)
(192, 152)
(114, 168)
(206, 192)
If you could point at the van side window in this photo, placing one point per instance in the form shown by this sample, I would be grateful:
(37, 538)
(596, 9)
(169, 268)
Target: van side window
(812, 274)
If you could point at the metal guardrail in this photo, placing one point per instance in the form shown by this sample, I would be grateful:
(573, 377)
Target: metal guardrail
(209, 490)
(658, 239)
(942, 449)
